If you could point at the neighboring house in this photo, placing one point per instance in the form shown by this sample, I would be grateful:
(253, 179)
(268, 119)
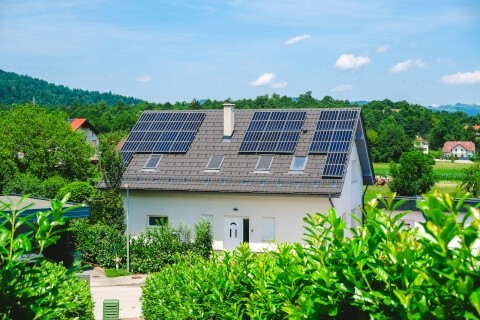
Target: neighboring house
(460, 149)
(421, 144)
(91, 133)
(254, 174)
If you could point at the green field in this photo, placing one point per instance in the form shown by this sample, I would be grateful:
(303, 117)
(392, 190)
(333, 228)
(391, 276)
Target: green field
(448, 174)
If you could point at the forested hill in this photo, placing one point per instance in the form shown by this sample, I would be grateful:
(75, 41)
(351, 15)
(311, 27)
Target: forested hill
(15, 88)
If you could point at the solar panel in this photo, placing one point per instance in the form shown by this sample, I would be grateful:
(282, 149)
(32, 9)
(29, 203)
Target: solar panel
(162, 132)
(273, 132)
(333, 136)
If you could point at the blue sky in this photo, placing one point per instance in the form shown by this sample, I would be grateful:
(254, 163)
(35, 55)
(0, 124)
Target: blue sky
(425, 52)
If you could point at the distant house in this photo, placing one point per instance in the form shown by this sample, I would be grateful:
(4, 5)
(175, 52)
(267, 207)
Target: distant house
(83, 125)
(460, 149)
(421, 144)
(254, 174)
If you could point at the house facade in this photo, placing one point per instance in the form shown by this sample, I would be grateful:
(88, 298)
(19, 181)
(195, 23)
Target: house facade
(421, 144)
(460, 149)
(79, 124)
(254, 174)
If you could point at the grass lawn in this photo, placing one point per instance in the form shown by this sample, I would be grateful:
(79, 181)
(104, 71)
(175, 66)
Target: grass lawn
(449, 175)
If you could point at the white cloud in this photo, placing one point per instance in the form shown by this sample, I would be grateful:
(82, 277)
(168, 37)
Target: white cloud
(279, 85)
(297, 39)
(462, 78)
(405, 65)
(349, 61)
(342, 88)
(263, 80)
(143, 78)
(383, 48)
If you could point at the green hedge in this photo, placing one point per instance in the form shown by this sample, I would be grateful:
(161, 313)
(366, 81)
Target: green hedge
(150, 251)
(384, 271)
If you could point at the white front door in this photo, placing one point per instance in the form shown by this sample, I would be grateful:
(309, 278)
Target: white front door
(233, 235)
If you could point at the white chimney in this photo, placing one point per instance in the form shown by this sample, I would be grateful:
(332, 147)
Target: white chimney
(228, 120)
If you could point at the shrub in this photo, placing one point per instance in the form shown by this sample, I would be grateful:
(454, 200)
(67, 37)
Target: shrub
(79, 191)
(471, 179)
(414, 174)
(97, 242)
(106, 207)
(156, 247)
(386, 270)
(113, 272)
(50, 187)
(203, 241)
(37, 289)
(23, 183)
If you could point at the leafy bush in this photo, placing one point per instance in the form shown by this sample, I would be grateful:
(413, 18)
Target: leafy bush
(23, 183)
(156, 247)
(386, 270)
(471, 180)
(150, 251)
(50, 187)
(106, 207)
(202, 244)
(97, 242)
(37, 289)
(79, 191)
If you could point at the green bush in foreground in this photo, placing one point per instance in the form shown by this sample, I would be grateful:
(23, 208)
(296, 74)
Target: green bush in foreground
(37, 289)
(384, 271)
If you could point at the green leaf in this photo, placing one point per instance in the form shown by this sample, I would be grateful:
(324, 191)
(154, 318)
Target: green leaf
(475, 299)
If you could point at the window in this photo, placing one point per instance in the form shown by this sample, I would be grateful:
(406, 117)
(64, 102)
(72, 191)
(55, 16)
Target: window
(215, 162)
(264, 163)
(268, 229)
(153, 161)
(157, 221)
(354, 171)
(298, 163)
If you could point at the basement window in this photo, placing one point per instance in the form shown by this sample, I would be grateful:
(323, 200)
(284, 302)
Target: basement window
(264, 163)
(157, 221)
(298, 163)
(153, 161)
(215, 162)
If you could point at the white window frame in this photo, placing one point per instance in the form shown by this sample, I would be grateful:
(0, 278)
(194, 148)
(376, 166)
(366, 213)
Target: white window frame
(354, 171)
(293, 169)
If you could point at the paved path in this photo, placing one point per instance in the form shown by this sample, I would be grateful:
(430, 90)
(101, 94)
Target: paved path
(127, 290)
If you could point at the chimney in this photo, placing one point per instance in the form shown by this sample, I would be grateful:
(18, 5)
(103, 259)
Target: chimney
(228, 120)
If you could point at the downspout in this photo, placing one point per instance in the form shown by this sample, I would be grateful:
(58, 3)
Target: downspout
(330, 200)
(363, 203)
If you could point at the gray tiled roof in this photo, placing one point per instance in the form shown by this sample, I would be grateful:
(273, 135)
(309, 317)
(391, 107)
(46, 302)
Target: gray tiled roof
(187, 172)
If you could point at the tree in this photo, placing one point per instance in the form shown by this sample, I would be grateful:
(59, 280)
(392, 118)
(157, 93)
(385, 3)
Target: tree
(392, 142)
(471, 180)
(413, 175)
(42, 144)
(111, 161)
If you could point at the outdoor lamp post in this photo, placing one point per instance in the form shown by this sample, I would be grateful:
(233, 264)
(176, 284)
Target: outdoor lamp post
(127, 231)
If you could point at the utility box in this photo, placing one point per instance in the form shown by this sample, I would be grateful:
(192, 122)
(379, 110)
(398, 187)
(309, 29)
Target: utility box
(110, 309)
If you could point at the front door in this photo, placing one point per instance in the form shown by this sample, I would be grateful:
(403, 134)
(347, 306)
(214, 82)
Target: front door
(233, 235)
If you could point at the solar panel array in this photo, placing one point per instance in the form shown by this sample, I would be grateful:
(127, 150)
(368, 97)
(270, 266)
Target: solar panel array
(333, 137)
(162, 132)
(273, 132)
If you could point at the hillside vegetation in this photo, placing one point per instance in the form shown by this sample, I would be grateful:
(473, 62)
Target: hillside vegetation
(391, 126)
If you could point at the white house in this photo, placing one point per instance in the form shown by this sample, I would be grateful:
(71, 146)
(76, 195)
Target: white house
(421, 144)
(460, 149)
(80, 124)
(254, 174)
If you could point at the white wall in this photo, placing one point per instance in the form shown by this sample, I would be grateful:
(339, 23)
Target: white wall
(352, 195)
(189, 208)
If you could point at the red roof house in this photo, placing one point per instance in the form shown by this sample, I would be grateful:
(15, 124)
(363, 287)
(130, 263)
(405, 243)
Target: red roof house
(460, 149)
